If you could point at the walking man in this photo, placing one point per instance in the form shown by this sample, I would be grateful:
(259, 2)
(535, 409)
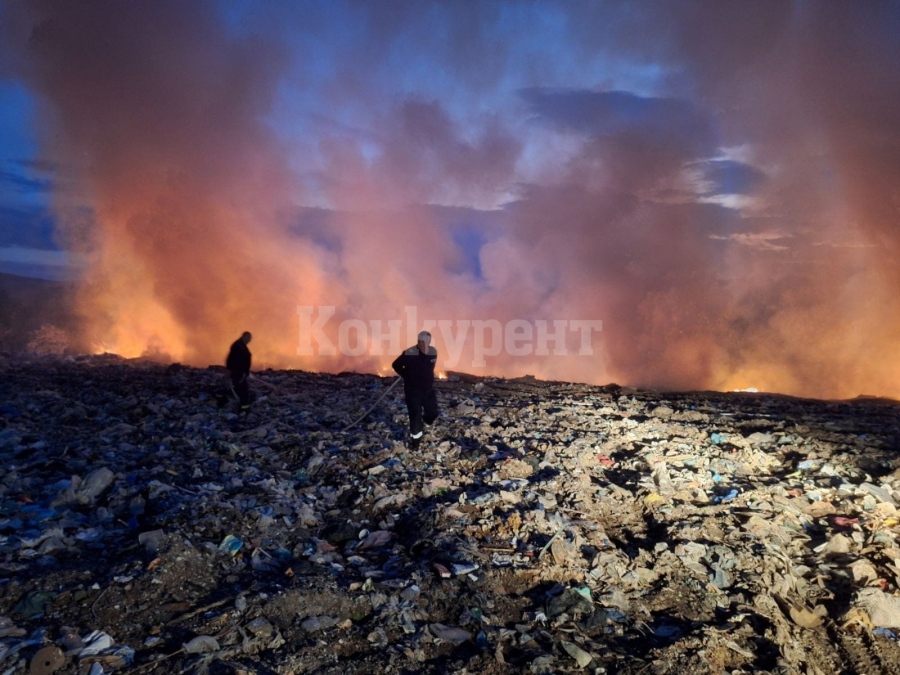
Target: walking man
(416, 367)
(238, 365)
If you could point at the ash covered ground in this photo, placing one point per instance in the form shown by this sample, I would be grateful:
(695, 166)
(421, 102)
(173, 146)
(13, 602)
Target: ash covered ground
(541, 528)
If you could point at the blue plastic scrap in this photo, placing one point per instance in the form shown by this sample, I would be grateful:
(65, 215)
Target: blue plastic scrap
(719, 499)
(231, 544)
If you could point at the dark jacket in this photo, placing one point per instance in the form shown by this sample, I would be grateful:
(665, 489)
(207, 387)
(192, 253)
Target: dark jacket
(416, 368)
(238, 361)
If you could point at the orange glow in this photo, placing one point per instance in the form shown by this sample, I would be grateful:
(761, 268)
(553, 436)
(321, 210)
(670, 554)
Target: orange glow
(202, 216)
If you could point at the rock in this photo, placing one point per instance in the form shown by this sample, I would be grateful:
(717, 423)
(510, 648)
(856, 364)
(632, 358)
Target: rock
(314, 624)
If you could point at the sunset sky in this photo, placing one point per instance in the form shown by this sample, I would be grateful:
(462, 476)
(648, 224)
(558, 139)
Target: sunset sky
(718, 183)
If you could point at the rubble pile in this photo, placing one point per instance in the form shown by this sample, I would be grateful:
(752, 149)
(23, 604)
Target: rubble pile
(541, 527)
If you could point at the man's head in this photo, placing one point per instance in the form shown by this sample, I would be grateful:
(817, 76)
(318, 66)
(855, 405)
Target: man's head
(246, 337)
(424, 341)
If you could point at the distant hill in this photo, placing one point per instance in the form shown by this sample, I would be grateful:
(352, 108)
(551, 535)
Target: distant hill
(27, 303)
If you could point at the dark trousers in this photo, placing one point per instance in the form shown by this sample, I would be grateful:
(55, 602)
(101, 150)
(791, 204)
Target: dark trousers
(241, 388)
(422, 407)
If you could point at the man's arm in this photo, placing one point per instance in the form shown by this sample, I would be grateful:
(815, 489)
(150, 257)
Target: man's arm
(399, 365)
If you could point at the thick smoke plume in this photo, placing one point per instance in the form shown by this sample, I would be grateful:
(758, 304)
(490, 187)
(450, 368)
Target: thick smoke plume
(732, 217)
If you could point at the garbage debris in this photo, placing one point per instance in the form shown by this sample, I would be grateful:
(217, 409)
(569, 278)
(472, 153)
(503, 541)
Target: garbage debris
(538, 527)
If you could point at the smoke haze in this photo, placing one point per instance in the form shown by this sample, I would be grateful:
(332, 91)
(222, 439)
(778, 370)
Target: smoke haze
(719, 184)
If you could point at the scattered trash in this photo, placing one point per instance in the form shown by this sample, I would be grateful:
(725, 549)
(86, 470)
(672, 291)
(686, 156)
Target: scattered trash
(48, 660)
(727, 497)
(201, 645)
(581, 657)
(449, 634)
(547, 525)
(231, 545)
(883, 610)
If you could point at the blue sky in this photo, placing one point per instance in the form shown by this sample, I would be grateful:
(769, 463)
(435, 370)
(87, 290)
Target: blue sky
(717, 182)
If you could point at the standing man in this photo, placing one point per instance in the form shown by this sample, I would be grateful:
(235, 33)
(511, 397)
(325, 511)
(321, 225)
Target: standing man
(416, 367)
(238, 364)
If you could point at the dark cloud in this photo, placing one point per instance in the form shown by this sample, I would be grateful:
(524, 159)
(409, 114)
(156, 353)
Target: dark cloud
(619, 113)
(731, 178)
(11, 181)
(632, 142)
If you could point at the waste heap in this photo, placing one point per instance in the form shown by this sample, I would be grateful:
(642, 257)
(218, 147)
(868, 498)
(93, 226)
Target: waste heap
(543, 527)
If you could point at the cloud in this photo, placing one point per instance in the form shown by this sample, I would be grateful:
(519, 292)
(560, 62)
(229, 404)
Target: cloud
(607, 113)
(763, 241)
(41, 263)
(18, 182)
(17, 254)
(729, 177)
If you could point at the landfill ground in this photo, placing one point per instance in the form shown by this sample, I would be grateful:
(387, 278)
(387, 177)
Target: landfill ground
(541, 527)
